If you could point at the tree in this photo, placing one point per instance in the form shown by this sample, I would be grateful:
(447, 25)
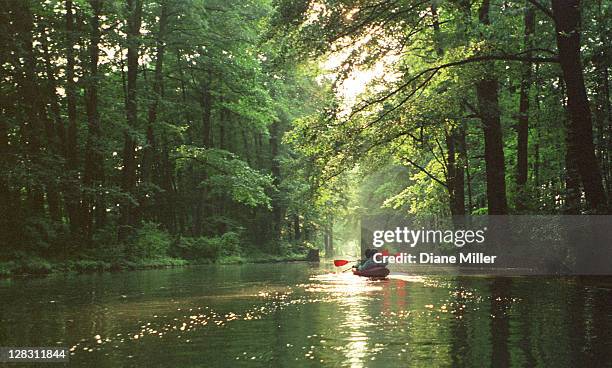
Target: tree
(128, 183)
(523, 118)
(489, 111)
(566, 15)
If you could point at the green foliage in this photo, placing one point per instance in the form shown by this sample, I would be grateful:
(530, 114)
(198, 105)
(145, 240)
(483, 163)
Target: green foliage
(240, 126)
(34, 266)
(208, 248)
(195, 155)
(226, 173)
(404, 119)
(88, 265)
(7, 268)
(150, 242)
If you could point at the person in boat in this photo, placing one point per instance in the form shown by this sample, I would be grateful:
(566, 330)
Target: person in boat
(368, 262)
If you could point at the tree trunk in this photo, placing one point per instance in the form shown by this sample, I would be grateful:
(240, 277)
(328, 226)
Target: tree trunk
(606, 104)
(149, 159)
(94, 169)
(128, 218)
(523, 119)
(455, 168)
(72, 193)
(276, 175)
(28, 86)
(259, 151)
(168, 209)
(296, 228)
(455, 177)
(580, 133)
(246, 146)
(488, 105)
(494, 154)
(329, 240)
(223, 121)
(206, 104)
(200, 209)
(463, 156)
(536, 146)
(607, 158)
(53, 129)
(603, 115)
(7, 204)
(572, 183)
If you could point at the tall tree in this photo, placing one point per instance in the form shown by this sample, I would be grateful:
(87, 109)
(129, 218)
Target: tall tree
(277, 210)
(150, 158)
(487, 91)
(567, 17)
(27, 80)
(128, 184)
(93, 176)
(455, 165)
(522, 153)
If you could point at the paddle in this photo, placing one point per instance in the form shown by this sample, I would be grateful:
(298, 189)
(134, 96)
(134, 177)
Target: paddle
(342, 262)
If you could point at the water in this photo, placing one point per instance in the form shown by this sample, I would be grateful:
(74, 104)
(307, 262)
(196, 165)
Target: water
(303, 315)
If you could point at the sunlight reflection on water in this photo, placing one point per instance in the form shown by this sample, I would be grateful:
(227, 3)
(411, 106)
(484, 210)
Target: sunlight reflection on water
(342, 283)
(300, 315)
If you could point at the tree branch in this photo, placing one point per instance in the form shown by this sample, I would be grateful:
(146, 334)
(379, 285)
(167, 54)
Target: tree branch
(435, 69)
(430, 175)
(542, 8)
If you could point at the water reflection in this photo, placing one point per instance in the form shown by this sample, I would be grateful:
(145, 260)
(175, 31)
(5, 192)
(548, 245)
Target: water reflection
(299, 315)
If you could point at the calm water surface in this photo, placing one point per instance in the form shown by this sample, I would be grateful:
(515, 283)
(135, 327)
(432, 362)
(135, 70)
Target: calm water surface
(304, 315)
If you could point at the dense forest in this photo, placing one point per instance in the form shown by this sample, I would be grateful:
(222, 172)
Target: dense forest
(202, 129)
(148, 128)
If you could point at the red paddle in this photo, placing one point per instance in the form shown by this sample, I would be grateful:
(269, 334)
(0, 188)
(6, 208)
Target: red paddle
(340, 262)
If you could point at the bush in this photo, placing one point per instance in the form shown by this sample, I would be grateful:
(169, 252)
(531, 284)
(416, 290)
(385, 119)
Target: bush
(35, 266)
(43, 237)
(7, 268)
(161, 263)
(86, 265)
(204, 248)
(105, 236)
(111, 253)
(150, 242)
(196, 248)
(230, 244)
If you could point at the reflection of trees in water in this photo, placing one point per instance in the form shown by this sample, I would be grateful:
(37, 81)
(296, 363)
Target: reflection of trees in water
(459, 333)
(576, 327)
(529, 322)
(590, 324)
(560, 323)
(526, 331)
(500, 322)
(600, 302)
(340, 319)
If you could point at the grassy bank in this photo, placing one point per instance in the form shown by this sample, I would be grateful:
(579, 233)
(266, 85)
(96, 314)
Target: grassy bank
(148, 248)
(35, 266)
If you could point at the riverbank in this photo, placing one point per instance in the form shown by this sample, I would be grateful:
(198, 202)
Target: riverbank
(36, 266)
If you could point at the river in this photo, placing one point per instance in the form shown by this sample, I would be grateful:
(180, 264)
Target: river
(305, 315)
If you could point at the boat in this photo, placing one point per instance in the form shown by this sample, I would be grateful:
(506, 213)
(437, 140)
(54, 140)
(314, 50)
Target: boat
(376, 272)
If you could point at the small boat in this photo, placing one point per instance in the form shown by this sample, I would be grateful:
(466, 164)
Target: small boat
(377, 272)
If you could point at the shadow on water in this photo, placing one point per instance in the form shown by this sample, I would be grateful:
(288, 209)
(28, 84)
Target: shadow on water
(297, 315)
